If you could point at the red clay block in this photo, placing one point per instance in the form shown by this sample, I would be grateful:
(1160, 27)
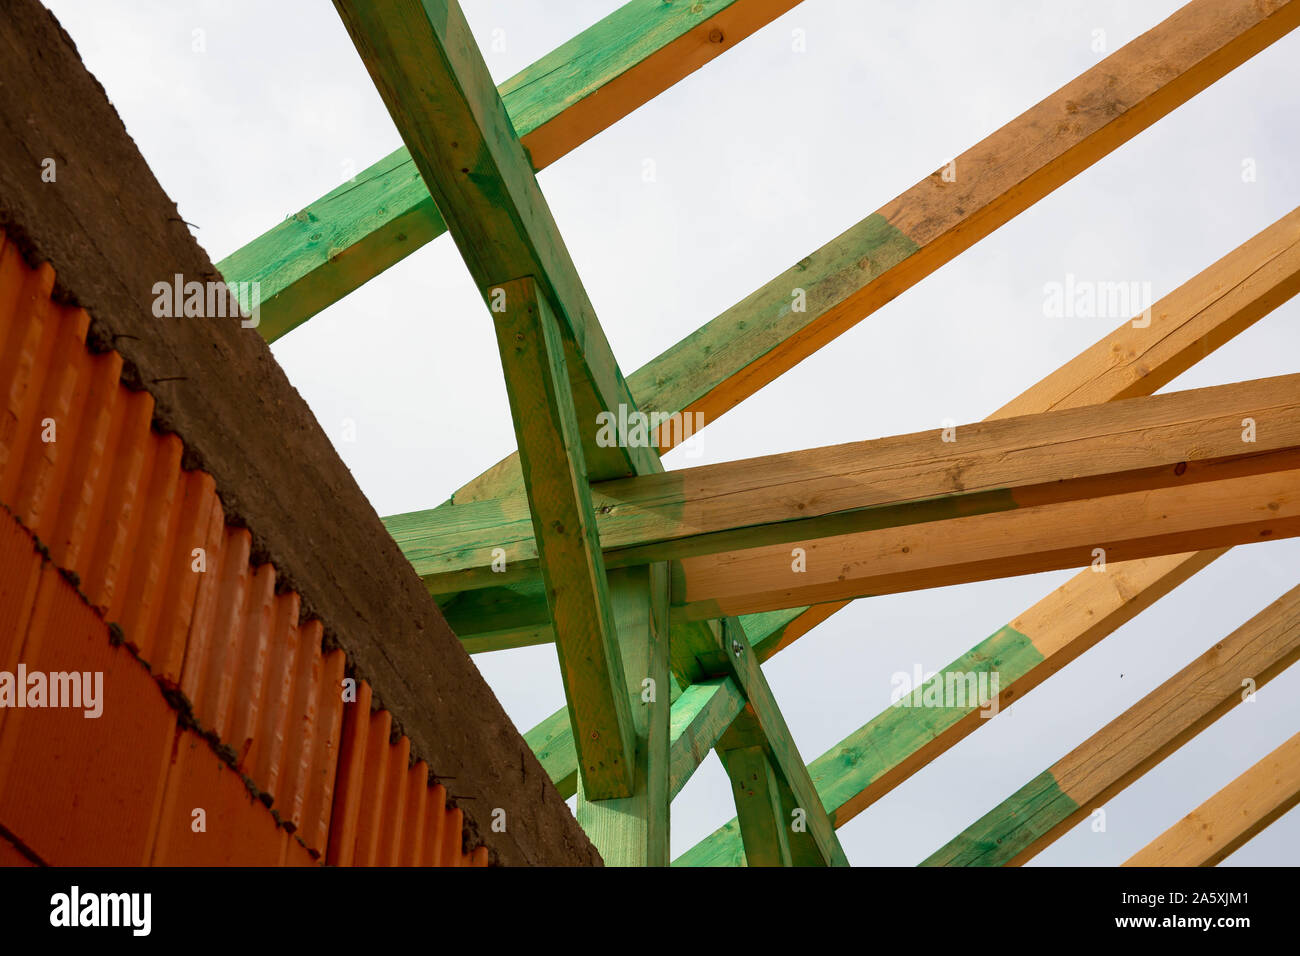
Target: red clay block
(351, 773)
(45, 508)
(26, 317)
(370, 822)
(436, 825)
(76, 790)
(299, 744)
(117, 501)
(20, 571)
(223, 643)
(34, 375)
(267, 751)
(394, 814)
(417, 801)
(10, 855)
(53, 406)
(94, 430)
(451, 837)
(215, 624)
(241, 698)
(135, 603)
(325, 749)
(295, 854)
(237, 829)
(192, 524)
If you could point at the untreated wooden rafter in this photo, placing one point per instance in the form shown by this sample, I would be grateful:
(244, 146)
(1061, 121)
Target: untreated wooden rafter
(1184, 327)
(877, 757)
(1224, 823)
(1084, 779)
(1047, 484)
(849, 278)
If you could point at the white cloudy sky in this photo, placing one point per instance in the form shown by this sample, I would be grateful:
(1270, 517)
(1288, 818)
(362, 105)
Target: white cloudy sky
(761, 157)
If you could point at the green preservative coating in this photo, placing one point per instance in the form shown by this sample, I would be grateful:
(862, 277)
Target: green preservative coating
(385, 212)
(766, 319)
(886, 741)
(996, 838)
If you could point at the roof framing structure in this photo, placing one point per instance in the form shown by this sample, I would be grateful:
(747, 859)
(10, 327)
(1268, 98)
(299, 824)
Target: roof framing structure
(665, 591)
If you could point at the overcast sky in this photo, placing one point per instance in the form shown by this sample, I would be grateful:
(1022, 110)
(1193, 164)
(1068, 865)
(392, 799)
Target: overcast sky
(761, 157)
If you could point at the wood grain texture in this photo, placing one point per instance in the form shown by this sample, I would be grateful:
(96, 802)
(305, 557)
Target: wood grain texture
(998, 465)
(1126, 748)
(428, 70)
(576, 587)
(1185, 326)
(353, 233)
(899, 741)
(634, 830)
(1203, 516)
(699, 719)
(758, 806)
(1232, 817)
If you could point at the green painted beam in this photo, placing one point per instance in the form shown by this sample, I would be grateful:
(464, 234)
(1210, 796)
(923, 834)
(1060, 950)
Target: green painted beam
(1106, 763)
(634, 830)
(762, 819)
(1000, 465)
(577, 595)
(871, 263)
(699, 719)
(748, 674)
(383, 214)
(900, 740)
(428, 70)
(552, 740)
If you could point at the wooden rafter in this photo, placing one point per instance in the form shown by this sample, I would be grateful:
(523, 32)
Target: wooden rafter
(758, 806)
(373, 221)
(1224, 823)
(873, 760)
(428, 70)
(912, 235)
(699, 719)
(1186, 325)
(1046, 484)
(1083, 780)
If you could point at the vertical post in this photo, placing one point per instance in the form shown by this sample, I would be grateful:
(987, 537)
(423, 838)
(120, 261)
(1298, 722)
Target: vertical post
(758, 806)
(633, 830)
